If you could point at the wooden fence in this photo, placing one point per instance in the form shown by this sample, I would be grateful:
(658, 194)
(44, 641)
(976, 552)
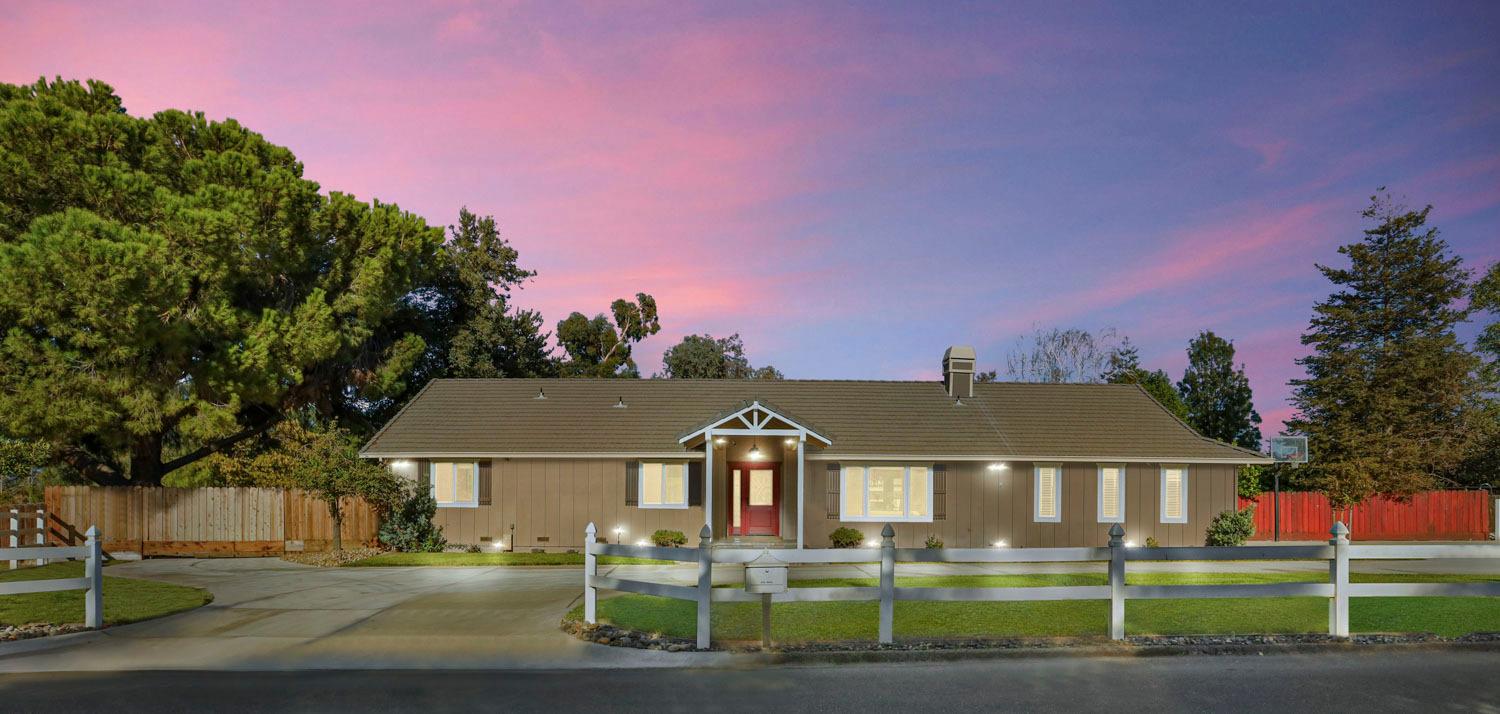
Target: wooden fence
(1433, 515)
(204, 521)
(1337, 589)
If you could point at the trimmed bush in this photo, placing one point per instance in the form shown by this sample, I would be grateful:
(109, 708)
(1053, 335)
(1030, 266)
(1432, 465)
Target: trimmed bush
(934, 542)
(846, 537)
(1231, 527)
(409, 528)
(1151, 542)
(669, 539)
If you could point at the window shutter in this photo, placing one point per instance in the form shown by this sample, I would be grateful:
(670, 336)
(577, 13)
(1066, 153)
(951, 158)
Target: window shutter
(632, 479)
(424, 476)
(695, 483)
(484, 482)
(833, 492)
(939, 492)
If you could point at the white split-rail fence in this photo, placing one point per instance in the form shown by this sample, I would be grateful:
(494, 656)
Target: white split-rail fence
(1338, 589)
(92, 581)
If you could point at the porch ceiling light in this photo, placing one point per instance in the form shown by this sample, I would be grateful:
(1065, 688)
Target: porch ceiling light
(720, 440)
(790, 442)
(755, 454)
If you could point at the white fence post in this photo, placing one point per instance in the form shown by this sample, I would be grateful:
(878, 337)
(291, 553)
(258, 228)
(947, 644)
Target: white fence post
(705, 584)
(93, 568)
(1116, 582)
(41, 536)
(590, 568)
(15, 525)
(887, 584)
(1338, 573)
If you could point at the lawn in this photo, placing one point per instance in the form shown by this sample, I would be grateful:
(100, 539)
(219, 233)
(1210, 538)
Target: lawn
(814, 621)
(404, 559)
(125, 599)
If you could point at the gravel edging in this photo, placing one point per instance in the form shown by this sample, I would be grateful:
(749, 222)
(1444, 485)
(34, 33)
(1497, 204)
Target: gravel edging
(15, 633)
(972, 648)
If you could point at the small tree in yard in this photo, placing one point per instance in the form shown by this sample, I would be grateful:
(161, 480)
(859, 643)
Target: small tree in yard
(409, 527)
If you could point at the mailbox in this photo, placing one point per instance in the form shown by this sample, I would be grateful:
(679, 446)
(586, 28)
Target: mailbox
(765, 575)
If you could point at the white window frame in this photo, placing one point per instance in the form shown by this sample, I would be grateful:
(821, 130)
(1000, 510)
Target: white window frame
(905, 489)
(432, 485)
(640, 486)
(1099, 507)
(1184, 496)
(1036, 494)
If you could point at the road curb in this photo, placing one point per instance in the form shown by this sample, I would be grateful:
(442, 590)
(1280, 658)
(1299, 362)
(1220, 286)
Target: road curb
(1104, 650)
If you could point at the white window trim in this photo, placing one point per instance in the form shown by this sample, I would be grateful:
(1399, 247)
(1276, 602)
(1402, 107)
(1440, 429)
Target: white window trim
(640, 487)
(906, 488)
(1036, 494)
(432, 485)
(1184, 500)
(1099, 507)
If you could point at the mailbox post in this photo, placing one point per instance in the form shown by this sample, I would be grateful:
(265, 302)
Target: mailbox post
(766, 575)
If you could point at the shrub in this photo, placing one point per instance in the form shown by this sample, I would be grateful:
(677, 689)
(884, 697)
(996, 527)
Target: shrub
(1151, 542)
(1249, 481)
(1231, 527)
(934, 542)
(669, 539)
(473, 548)
(409, 528)
(846, 537)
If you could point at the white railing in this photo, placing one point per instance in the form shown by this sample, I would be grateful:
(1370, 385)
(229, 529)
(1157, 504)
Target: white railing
(20, 531)
(1338, 589)
(92, 580)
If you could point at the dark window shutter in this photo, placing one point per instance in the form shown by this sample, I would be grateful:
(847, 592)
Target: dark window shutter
(833, 492)
(484, 482)
(424, 476)
(695, 483)
(939, 492)
(632, 479)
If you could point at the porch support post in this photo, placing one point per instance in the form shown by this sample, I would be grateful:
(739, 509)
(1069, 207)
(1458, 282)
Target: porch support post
(801, 486)
(708, 479)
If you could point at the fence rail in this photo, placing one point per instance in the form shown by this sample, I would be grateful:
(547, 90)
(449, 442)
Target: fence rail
(92, 581)
(1337, 553)
(18, 534)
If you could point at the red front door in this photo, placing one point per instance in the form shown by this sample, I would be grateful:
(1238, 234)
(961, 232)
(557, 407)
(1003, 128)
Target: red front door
(754, 498)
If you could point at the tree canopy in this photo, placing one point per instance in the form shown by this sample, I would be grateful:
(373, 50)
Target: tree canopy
(174, 286)
(1124, 367)
(1060, 355)
(1390, 396)
(1216, 393)
(707, 357)
(597, 347)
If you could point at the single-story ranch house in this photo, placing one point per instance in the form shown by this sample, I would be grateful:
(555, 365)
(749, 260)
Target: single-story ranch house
(526, 464)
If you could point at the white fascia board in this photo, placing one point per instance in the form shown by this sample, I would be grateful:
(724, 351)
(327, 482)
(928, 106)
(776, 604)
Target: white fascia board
(534, 455)
(825, 456)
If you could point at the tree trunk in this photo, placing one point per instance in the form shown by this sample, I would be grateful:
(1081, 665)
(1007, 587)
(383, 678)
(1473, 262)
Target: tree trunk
(145, 461)
(337, 512)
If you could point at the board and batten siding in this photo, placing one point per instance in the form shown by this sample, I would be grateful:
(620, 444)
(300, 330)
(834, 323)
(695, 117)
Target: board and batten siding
(551, 501)
(985, 507)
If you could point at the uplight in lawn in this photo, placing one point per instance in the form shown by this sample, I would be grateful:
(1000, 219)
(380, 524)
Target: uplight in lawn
(1129, 544)
(872, 544)
(643, 541)
(999, 544)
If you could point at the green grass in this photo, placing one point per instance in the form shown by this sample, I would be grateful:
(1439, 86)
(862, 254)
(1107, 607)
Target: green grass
(411, 559)
(125, 599)
(823, 621)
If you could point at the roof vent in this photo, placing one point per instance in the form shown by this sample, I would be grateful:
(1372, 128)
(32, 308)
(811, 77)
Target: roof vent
(958, 371)
(541, 393)
(620, 404)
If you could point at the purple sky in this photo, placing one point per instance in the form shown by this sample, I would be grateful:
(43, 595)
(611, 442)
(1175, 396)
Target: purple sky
(855, 186)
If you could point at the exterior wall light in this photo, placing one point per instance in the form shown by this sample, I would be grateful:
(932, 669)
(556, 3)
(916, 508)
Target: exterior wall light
(1001, 466)
(721, 441)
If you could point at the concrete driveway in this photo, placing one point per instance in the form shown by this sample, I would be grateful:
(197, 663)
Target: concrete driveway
(271, 614)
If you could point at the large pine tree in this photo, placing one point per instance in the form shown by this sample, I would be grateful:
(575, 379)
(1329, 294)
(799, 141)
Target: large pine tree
(1390, 393)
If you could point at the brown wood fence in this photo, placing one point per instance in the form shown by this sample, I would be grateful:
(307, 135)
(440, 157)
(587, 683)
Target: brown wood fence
(203, 521)
(1432, 515)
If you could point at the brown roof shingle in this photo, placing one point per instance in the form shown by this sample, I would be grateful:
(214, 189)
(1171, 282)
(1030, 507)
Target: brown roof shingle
(861, 418)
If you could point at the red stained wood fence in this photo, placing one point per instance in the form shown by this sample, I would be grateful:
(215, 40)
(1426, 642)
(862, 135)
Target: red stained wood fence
(1433, 515)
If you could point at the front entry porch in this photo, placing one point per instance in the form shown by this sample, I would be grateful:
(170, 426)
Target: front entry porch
(755, 492)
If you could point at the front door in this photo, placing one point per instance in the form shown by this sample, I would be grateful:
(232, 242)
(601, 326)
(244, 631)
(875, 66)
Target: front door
(755, 499)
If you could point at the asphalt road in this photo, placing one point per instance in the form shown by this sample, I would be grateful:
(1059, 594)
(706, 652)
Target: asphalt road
(1433, 680)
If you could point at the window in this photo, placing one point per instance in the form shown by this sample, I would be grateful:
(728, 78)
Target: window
(887, 493)
(1047, 507)
(1174, 494)
(663, 485)
(455, 484)
(1111, 493)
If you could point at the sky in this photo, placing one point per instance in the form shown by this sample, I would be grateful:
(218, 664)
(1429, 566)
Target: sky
(854, 186)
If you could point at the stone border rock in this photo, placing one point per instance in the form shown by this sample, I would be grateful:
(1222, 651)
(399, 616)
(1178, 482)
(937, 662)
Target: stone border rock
(12, 633)
(857, 651)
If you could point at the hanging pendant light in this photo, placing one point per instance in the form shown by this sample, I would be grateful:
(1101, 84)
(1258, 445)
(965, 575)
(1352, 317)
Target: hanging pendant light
(755, 452)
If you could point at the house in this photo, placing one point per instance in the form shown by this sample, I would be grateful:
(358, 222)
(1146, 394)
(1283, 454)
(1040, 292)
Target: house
(526, 464)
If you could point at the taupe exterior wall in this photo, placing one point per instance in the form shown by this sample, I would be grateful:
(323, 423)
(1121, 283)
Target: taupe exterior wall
(989, 506)
(554, 499)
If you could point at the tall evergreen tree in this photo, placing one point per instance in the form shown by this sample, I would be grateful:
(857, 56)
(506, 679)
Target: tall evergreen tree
(1217, 393)
(1124, 367)
(1390, 393)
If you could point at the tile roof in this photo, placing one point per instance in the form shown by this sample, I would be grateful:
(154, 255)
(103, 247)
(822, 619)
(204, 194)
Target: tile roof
(862, 418)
